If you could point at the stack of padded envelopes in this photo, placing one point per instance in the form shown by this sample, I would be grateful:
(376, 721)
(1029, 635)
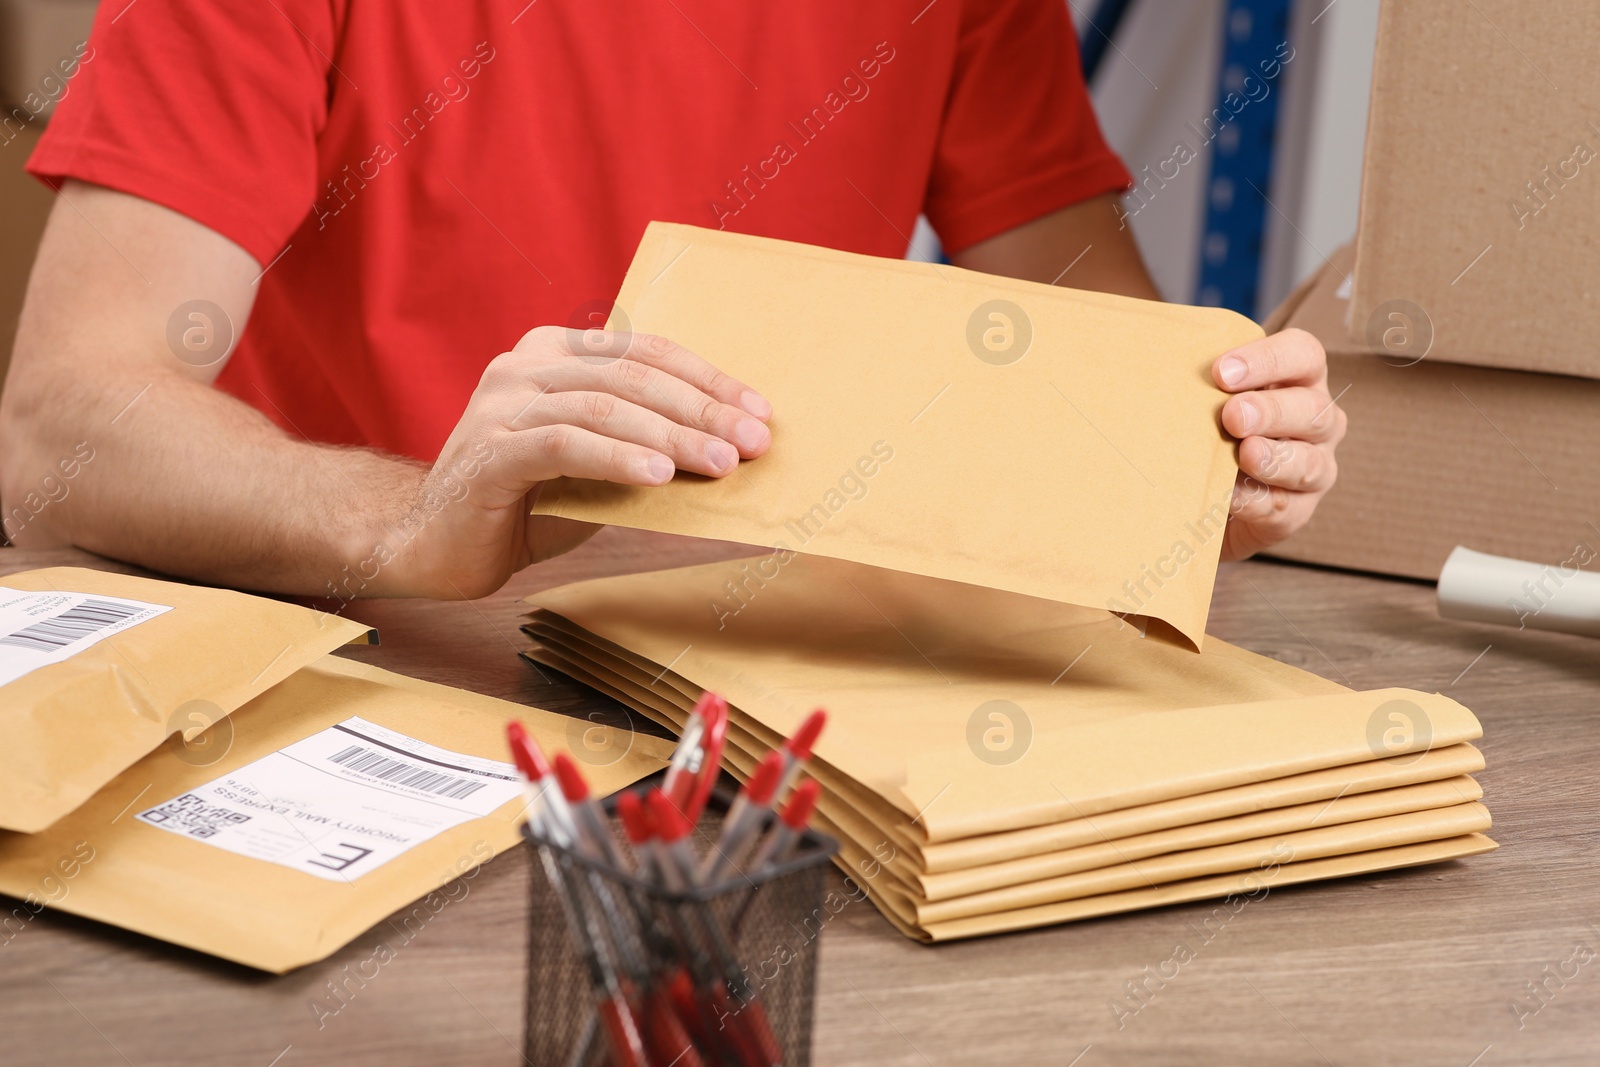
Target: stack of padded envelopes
(969, 478)
(995, 762)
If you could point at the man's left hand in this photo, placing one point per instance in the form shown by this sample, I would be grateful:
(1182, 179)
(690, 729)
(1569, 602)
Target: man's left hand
(1287, 425)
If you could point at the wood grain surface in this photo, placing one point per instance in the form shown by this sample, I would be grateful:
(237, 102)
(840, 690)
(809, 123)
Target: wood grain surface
(1427, 966)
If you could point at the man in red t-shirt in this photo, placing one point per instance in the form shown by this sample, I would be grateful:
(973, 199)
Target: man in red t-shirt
(410, 202)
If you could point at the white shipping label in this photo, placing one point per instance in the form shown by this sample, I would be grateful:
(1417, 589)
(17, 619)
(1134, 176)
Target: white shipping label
(340, 803)
(38, 629)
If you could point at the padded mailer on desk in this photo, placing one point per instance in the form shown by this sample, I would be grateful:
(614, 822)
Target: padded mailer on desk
(874, 850)
(335, 798)
(1066, 442)
(997, 858)
(97, 669)
(1137, 760)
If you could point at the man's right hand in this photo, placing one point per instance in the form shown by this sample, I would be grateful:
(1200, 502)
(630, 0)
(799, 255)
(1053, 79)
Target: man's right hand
(172, 474)
(615, 407)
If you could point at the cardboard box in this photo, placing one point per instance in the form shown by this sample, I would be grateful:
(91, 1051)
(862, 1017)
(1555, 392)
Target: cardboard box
(42, 45)
(1440, 454)
(1480, 196)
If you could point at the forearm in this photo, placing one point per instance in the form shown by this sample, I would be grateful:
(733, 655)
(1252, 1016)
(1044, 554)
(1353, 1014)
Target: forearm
(112, 442)
(171, 474)
(112, 438)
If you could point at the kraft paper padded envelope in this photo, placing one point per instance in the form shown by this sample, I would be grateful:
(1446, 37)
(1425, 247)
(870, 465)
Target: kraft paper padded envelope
(665, 696)
(240, 858)
(1379, 788)
(1034, 851)
(1371, 845)
(1235, 891)
(1454, 763)
(1007, 434)
(97, 669)
(1410, 828)
(804, 635)
(1311, 842)
(1103, 719)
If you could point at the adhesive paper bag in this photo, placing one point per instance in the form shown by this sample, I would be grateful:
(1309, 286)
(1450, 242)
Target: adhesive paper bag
(314, 811)
(1406, 829)
(666, 697)
(980, 883)
(1093, 717)
(97, 669)
(1128, 763)
(1234, 891)
(1007, 434)
(1452, 762)
(1352, 792)
(1433, 786)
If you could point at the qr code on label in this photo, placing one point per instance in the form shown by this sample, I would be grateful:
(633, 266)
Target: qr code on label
(192, 815)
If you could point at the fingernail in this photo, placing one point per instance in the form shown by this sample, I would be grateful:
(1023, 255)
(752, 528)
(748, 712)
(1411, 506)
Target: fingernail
(1232, 369)
(721, 455)
(1247, 418)
(755, 404)
(750, 434)
(659, 469)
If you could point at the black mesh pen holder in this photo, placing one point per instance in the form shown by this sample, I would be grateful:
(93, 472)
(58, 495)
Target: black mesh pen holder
(720, 974)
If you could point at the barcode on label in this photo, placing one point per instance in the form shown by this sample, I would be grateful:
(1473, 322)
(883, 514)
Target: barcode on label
(392, 770)
(192, 815)
(89, 617)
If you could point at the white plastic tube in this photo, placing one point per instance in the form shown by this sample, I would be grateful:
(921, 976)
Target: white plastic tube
(1541, 596)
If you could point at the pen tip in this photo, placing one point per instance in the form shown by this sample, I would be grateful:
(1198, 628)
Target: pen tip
(573, 787)
(764, 783)
(525, 752)
(670, 823)
(800, 744)
(800, 807)
(635, 820)
(711, 706)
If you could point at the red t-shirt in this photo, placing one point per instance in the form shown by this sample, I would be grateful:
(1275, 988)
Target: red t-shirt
(426, 181)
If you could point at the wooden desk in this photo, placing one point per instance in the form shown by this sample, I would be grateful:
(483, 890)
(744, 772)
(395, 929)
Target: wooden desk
(1413, 967)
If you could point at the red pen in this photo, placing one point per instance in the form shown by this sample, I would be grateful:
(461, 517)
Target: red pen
(594, 838)
(547, 808)
(594, 832)
(693, 770)
(636, 824)
(750, 1033)
(676, 984)
(674, 856)
(780, 841)
(797, 749)
(616, 1017)
(743, 820)
(664, 1030)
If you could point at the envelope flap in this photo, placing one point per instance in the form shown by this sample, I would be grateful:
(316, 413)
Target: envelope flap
(943, 422)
